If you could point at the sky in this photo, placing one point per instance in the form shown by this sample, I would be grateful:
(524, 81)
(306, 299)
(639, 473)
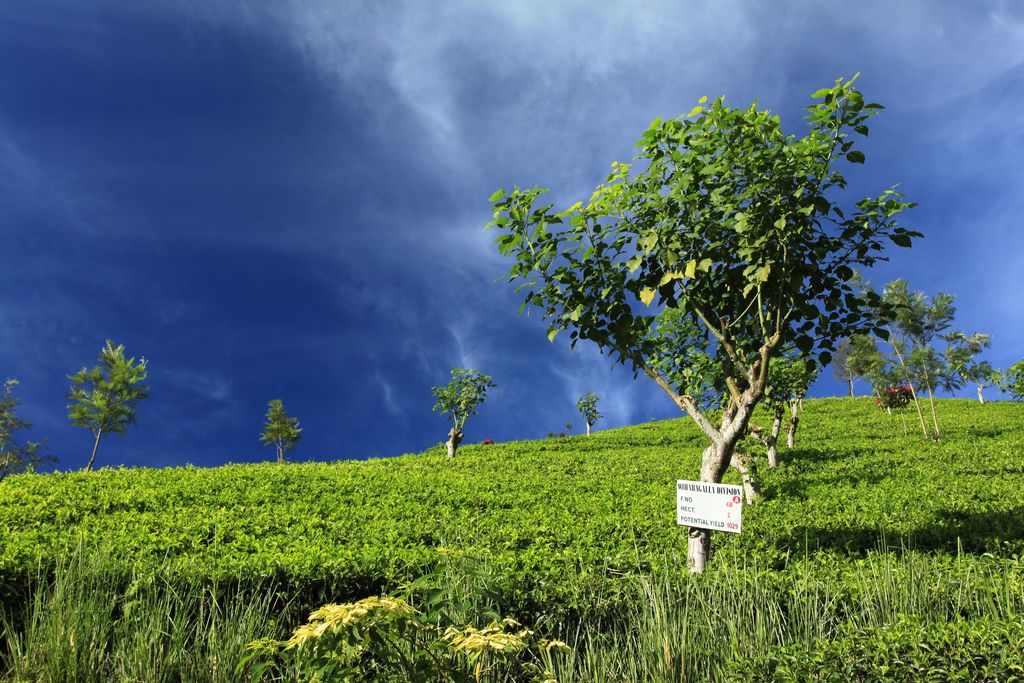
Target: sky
(286, 200)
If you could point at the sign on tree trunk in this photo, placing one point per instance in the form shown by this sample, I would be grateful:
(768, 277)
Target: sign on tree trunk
(709, 506)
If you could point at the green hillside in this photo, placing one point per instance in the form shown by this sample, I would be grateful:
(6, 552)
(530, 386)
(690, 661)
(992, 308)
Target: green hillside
(559, 523)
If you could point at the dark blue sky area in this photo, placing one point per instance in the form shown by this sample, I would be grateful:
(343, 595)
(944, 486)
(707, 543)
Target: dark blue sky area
(286, 200)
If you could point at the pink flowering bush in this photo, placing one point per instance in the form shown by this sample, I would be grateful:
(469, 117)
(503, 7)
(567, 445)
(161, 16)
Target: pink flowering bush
(894, 398)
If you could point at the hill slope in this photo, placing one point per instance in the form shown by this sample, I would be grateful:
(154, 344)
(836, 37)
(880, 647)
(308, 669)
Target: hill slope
(539, 511)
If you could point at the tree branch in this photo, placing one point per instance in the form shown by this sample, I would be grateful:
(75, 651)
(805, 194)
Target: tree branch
(685, 403)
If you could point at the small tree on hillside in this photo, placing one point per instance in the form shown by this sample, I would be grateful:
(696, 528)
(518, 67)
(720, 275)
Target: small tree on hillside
(915, 324)
(587, 405)
(789, 379)
(103, 399)
(16, 457)
(280, 430)
(459, 399)
(961, 362)
(856, 357)
(729, 220)
(1012, 380)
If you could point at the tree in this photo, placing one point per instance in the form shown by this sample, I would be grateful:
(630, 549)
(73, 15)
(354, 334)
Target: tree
(280, 430)
(103, 399)
(16, 457)
(459, 399)
(961, 364)
(587, 405)
(915, 323)
(1012, 380)
(856, 357)
(732, 222)
(789, 379)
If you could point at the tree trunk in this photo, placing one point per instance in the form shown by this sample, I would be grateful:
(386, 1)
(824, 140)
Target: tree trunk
(95, 446)
(849, 383)
(793, 421)
(745, 466)
(698, 549)
(935, 418)
(913, 392)
(588, 429)
(280, 451)
(5, 466)
(773, 439)
(981, 396)
(454, 439)
(714, 462)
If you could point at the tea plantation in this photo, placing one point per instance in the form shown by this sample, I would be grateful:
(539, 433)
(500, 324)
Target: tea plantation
(567, 528)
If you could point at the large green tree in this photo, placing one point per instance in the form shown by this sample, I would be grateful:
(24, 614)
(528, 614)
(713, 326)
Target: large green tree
(103, 400)
(459, 399)
(742, 227)
(15, 456)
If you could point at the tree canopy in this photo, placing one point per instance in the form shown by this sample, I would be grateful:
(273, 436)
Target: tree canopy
(741, 227)
(103, 399)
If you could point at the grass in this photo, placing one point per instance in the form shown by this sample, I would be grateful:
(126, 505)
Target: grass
(867, 544)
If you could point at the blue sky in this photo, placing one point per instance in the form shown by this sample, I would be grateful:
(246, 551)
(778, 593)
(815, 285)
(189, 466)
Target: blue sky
(286, 199)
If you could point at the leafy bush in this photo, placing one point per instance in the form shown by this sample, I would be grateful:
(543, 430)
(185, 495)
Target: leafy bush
(907, 650)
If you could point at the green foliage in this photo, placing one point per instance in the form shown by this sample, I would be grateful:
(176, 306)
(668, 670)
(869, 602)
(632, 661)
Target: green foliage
(789, 378)
(1012, 380)
(577, 536)
(14, 456)
(463, 395)
(908, 650)
(961, 364)
(89, 622)
(587, 406)
(858, 357)
(281, 431)
(725, 218)
(103, 399)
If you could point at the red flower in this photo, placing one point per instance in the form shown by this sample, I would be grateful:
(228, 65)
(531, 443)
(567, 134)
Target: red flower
(487, 442)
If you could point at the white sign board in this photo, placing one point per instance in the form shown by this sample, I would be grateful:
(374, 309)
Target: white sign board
(709, 506)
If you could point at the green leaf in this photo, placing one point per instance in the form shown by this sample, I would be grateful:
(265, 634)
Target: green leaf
(499, 194)
(552, 334)
(646, 295)
(781, 223)
(696, 110)
(900, 240)
(691, 268)
(855, 157)
(670, 276)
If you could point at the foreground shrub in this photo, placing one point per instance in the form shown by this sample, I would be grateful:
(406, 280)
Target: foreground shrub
(386, 639)
(908, 650)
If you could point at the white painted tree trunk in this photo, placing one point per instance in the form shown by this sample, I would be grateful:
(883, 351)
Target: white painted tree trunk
(935, 417)
(715, 460)
(454, 439)
(773, 439)
(588, 429)
(745, 466)
(981, 396)
(794, 420)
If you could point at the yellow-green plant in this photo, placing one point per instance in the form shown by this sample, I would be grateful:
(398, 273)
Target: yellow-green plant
(387, 639)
